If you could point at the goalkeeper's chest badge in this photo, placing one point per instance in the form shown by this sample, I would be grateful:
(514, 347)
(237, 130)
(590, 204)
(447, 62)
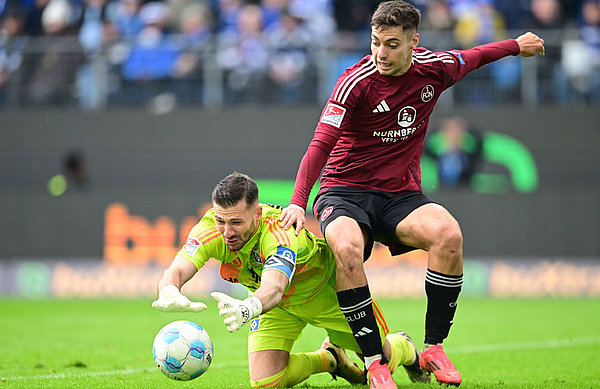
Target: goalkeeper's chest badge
(254, 324)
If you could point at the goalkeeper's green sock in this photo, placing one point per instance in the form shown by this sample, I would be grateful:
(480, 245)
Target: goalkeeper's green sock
(402, 352)
(300, 367)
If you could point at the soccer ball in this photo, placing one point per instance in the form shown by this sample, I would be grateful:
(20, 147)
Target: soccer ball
(182, 350)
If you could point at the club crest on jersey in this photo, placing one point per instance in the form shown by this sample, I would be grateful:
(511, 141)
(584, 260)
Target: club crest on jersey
(333, 114)
(254, 324)
(286, 253)
(256, 257)
(191, 245)
(326, 213)
(427, 93)
(407, 116)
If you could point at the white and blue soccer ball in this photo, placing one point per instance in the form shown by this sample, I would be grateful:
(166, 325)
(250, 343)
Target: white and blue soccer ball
(182, 350)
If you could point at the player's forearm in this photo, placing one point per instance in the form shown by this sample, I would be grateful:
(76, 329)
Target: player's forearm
(169, 277)
(178, 273)
(490, 52)
(271, 290)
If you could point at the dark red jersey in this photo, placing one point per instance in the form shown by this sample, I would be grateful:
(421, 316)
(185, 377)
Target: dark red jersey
(371, 131)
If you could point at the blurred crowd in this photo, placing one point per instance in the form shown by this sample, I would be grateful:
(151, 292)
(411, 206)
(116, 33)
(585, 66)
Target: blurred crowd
(127, 51)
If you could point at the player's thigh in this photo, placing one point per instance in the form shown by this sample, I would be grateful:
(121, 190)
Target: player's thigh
(345, 225)
(427, 225)
(271, 338)
(346, 238)
(267, 363)
(274, 330)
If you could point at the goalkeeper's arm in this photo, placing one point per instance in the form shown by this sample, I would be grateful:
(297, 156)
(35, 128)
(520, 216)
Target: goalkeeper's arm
(178, 273)
(267, 296)
(271, 289)
(169, 298)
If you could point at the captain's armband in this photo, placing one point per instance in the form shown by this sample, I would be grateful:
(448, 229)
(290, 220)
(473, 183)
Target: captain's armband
(284, 260)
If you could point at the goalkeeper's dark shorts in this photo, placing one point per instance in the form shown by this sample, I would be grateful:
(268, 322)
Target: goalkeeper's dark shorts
(378, 213)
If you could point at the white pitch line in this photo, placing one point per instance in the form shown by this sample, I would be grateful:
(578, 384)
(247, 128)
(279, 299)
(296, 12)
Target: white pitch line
(104, 373)
(550, 343)
(73, 375)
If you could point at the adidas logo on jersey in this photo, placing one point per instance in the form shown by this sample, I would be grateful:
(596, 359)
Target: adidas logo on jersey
(382, 107)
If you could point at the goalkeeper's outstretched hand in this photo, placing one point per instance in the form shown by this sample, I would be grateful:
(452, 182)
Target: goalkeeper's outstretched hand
(171, 300)
(237, 312)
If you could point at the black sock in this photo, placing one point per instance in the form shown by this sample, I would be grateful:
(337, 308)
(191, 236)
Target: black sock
(442, 292)
(357, 306)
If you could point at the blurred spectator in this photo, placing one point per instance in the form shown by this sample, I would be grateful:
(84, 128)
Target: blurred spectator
(244, 56)
(546, 14)
(94, 25)
(318, 15)
(457, 151)
(152, 60)
(515, 12)
(477, 22)
(590, 29)
(33, 19)
(227, 15)
(195, 29)
(95, 29)
(12, 43)
(56, 58)
(126, 19)
(289, 43)
(438, 16)
(581, 58)
(351, 17)
(272, 12)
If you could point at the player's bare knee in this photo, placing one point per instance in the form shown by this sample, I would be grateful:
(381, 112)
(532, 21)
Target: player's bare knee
(348, 258)
(452, 244)
(449, 242)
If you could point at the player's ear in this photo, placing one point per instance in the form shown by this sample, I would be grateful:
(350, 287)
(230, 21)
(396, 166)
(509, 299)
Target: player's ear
(258, 212)
(415, 40)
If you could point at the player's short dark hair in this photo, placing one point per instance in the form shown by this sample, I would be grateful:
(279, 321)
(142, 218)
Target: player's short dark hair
(396, 13)
(234, 188)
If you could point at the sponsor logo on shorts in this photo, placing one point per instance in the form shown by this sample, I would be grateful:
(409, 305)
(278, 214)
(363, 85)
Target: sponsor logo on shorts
(192, 245)
(326, 213)
(427, 93)
(333, 114)
(254, 324)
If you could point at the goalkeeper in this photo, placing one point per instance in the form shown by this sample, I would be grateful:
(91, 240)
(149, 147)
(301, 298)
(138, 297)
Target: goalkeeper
(293, 283)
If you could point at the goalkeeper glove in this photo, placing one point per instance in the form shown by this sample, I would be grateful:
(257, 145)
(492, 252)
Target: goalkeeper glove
(171, 300)
(237, 312)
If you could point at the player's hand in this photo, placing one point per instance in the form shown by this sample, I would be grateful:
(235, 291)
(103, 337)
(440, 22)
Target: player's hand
(530, 44)
(293, 214)
(237, 312)
(171, 300)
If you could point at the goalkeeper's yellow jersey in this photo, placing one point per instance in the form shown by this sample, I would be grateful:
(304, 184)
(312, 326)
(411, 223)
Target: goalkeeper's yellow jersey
(314, 262)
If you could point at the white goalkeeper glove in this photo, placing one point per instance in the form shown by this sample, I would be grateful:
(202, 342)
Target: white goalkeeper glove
(171, 300)
(237, 312)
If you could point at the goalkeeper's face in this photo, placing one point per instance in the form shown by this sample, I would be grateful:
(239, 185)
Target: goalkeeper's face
(238, 223)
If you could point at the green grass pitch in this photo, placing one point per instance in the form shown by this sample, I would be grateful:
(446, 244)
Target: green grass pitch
(495, 343)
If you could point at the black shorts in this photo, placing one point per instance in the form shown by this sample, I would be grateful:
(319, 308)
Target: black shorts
(378, 213)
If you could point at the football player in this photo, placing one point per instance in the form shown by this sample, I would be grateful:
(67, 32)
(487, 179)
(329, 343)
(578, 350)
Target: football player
(292, 280)
(369, 140)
